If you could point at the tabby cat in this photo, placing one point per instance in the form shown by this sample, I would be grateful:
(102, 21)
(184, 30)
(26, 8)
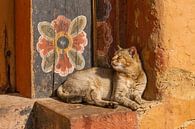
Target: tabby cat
(123, 85)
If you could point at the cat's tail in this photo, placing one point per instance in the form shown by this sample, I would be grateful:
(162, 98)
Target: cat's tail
(67, 97)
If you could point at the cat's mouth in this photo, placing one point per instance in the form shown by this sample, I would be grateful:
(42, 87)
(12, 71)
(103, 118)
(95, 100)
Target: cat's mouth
(116, 65)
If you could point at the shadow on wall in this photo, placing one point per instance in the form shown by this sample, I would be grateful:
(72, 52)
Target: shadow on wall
(144, 32)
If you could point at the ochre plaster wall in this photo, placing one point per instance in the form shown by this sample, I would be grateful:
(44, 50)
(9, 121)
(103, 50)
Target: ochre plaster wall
(164, 33)
(178, 24)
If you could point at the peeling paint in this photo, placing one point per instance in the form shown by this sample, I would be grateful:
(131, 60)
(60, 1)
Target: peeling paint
(26, 111)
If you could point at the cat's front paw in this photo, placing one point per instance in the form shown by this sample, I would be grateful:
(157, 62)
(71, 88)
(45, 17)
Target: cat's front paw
(134, 106)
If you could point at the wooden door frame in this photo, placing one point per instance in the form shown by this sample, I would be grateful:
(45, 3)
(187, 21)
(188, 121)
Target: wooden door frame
(7, 50)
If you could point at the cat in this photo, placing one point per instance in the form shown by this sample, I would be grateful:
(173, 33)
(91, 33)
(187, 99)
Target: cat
(122, 85)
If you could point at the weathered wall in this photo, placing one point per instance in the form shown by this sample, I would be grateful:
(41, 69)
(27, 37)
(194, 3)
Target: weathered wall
(145, 32)
(170, 114)
(178, 24)
(163, 32)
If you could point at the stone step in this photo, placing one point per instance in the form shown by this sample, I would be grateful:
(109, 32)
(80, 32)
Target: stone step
(15, 112)
(22, 113)
(53, 114)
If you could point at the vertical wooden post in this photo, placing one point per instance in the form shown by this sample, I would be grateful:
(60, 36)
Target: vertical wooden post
(23, 46)
(7, 65)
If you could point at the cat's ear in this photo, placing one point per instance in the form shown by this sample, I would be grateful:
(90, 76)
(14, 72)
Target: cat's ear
(134, 54)
(133, 51)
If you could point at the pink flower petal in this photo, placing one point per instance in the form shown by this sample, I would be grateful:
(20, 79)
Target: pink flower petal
(44, 46)
(61, 24)
(63, 65)
(80, 41)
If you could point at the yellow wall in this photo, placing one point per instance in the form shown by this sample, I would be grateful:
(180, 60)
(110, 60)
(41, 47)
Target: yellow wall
(179, 33)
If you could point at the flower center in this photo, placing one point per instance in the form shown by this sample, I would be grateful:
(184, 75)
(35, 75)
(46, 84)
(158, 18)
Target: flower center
(63, 42)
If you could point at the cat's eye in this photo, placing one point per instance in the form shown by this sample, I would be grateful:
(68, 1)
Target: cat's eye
(120, 58)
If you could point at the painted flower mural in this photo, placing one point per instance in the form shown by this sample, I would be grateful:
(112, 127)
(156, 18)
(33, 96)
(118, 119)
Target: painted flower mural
(61, 44)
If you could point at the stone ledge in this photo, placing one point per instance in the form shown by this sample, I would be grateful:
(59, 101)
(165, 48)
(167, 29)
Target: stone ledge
(15, 112)
(52, 114)
(21, 113)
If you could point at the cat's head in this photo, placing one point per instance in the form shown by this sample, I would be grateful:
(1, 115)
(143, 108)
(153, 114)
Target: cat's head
(126, 60)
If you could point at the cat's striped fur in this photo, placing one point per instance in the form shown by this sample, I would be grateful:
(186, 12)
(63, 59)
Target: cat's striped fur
(124, 85)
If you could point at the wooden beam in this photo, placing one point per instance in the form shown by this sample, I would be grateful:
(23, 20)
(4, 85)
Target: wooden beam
(23, 46)
(7, 65)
